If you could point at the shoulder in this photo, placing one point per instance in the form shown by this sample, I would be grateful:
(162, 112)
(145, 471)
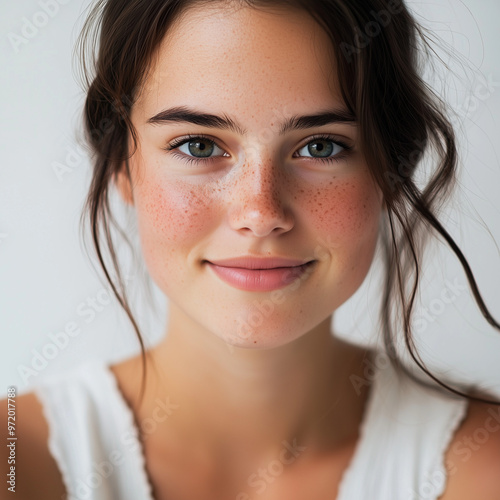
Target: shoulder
(36, 472)
(473, 457)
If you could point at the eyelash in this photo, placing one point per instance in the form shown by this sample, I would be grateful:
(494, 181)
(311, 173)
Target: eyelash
(191, 159)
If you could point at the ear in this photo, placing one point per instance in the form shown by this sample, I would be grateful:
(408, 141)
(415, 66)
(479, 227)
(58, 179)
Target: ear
(124, 185)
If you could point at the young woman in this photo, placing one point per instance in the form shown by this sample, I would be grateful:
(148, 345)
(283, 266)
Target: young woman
(259, 144)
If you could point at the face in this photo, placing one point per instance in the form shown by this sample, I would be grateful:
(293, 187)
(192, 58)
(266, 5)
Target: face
(250, 189)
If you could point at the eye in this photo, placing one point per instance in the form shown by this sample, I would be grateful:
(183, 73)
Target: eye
(196, 148)
(325, 148)
(200, 149)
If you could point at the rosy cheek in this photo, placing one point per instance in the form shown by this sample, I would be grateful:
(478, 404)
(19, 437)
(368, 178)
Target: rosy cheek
(170, 214)
(171, 219)
(346, 211)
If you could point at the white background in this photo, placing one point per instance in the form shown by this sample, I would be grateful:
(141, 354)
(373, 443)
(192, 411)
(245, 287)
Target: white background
(46, 278)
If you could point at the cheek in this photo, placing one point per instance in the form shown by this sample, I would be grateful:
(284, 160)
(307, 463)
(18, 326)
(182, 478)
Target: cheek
(170, 219)
(346, 214)
(170, 214)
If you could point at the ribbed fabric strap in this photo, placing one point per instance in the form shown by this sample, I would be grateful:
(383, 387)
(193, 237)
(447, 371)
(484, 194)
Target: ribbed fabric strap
(92, 435)
(400, 455)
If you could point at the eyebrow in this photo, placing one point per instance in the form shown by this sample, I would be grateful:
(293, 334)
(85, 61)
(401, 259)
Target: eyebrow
(183, 114)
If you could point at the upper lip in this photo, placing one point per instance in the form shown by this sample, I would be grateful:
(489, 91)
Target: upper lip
(249, 262)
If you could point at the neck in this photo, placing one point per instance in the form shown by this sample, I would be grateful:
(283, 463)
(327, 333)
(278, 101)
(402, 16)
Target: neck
(234, 398)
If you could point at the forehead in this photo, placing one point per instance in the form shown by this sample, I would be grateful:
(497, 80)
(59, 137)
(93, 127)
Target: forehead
(242, 60)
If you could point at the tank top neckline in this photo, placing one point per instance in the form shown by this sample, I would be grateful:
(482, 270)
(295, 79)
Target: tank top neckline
(346, 474)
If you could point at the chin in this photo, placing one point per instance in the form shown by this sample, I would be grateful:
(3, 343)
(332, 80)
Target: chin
(260, 339)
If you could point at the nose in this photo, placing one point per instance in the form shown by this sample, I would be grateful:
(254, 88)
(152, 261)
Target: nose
(259, 200)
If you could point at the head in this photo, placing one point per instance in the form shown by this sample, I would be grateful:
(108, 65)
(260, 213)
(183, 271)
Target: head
(321, 190)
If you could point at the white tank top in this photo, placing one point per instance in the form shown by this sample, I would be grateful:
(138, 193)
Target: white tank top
(404, 434)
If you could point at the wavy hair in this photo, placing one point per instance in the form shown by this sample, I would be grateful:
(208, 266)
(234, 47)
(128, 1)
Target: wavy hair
(379, 53)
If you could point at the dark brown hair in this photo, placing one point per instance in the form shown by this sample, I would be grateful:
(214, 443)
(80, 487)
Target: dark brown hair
(379, 49)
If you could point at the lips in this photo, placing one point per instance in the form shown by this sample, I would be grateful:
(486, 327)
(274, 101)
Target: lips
(264, 274)
(249, 262)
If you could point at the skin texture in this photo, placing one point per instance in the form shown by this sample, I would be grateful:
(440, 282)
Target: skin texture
(236, 398)
(263, 194)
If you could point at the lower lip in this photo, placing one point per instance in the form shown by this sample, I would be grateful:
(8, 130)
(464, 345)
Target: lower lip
(260, 280)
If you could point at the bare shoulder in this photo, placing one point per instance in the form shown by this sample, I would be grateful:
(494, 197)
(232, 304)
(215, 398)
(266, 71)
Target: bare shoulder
(36, 472)
(473, 457)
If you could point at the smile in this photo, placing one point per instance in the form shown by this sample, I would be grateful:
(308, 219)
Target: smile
(259, 280)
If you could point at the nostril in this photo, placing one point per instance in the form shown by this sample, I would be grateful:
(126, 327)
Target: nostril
(261, 219)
